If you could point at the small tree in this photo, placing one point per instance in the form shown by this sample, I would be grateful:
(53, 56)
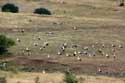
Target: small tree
(42, 11)
(70, 78)
(10, 8)
(5, 43)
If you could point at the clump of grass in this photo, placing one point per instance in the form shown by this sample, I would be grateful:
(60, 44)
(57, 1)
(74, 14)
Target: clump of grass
(37, 79)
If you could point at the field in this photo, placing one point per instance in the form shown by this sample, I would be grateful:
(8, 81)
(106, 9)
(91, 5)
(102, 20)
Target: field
(97, 23)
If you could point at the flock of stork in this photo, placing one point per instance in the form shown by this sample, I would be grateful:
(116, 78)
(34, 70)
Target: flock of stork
(96, 49)
(92, 50)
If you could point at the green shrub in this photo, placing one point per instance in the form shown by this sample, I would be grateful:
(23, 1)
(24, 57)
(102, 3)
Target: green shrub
(5, 43)
(9, 66)
(42, 11)
(70, 78)
(10, 8)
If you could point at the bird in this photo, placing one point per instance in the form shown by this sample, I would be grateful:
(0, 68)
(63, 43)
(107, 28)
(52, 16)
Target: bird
(86, 48)
(113, 45)
(120, 46)
(27, 49)
(93, 46)
(48, 56)
(114, 56)
(36, 44)
(22, 31)
(65, 45)
(39, 38)
(67, 55)
(79, 59)
(59, 53)
(43, 72)
(107, 55)
(79, 52)
(18, 40)
(103, 45)
(41, 48)
(75, 28)
(99, 70)
(75, 53)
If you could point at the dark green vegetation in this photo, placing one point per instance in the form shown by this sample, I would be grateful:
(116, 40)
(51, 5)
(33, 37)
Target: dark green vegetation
(5, 43)
(70, 78)
(10, 8)
(42, 11)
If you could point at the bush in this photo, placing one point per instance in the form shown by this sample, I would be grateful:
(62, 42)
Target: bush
(10, 8)
(5, 43)
(42, 11)
(70, 78)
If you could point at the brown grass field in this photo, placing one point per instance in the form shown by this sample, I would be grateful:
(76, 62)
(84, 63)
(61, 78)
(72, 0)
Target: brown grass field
(99, 21)
(25, 77)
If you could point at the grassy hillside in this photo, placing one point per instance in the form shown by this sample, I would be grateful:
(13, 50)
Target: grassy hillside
(98, 22)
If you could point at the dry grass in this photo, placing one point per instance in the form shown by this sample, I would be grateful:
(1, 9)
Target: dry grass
(56, 78)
